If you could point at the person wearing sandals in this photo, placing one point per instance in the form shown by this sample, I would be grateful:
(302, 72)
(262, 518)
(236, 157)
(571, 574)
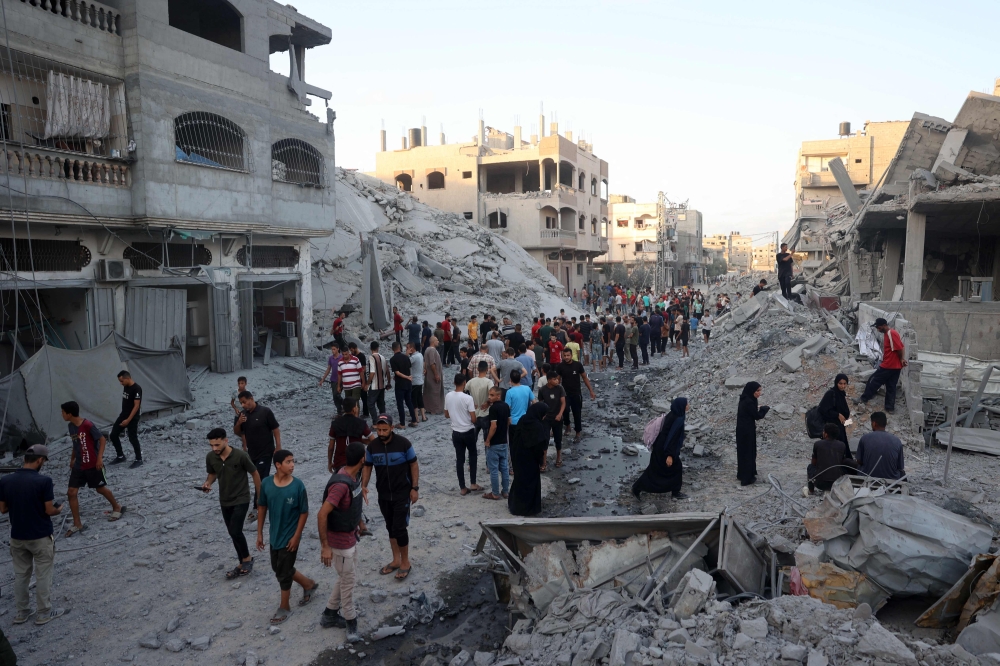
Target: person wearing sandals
(86, 465)
(231, 467)
(339, 521)
(286, 498)
(397, 475)
(496, 445)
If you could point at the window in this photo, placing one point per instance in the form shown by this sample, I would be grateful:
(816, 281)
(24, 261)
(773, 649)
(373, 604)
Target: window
(818, 163)
(551, 222)
(404, 182)
(43, 255)
(857, 161)
(497, 220)
(640, 223)
(268, 256)
(466, 174)
(604, 190)
(593, 188)
(638, 246)
(435, 180)
(214, 20)
(583, 222)
(593, 226)
(583, 181)
(149, 256)
(295, 161)
(209, 140)
(5, 122)
(579, 269)
(468, 214)
(623, 224)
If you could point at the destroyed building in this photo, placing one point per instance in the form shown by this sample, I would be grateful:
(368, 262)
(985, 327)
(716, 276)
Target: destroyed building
(169, 180)
(548, 195)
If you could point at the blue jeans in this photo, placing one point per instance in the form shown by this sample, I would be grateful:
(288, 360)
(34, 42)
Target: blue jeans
(496, 462)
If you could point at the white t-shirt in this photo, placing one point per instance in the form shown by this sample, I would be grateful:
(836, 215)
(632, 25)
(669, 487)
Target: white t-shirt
(460, 407)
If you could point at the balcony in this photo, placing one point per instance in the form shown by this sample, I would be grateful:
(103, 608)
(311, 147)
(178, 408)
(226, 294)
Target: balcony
(604, 244)
(557, 238)
(35, 163)
(91, 14)
(827, 179)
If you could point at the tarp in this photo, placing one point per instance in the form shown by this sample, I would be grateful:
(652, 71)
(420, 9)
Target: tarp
(32, 393)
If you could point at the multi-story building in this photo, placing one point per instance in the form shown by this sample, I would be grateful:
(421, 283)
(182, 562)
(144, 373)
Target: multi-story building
(690, 267)
(740, 252)
(866, 155)
(170, 181)
(717, 245)
(549, 194)
(763, 258)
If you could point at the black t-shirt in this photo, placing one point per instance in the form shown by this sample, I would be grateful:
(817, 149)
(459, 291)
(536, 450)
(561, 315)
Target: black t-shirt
(620, 335)
(413, 332)
(607, 333)
(25, 492)
(784, 267)
(585, 327)
(129, 395)
(571, 374)
(515, 340)
(400, 362)
(552, 396)
(465, 366)
(500, 412)
(258, 432)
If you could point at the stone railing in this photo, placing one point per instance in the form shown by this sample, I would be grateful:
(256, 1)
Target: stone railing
(83, 169)
(93, 14)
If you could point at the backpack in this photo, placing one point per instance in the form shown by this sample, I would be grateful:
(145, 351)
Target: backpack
(651, 430)
(814, 423)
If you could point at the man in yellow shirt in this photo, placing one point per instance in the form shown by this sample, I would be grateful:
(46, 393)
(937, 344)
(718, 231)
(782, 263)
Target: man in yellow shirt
(473, 333)
(574, 347)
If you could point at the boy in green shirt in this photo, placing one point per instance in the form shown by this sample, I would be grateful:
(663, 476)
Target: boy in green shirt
(286, 497)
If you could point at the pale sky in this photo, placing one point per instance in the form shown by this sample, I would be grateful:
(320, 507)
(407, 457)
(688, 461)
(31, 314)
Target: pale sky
(705, 101)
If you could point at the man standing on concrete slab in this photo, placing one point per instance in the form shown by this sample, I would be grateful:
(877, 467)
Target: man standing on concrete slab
(784, 260)
(461, 409)
(570, 374)
(259, 429)
(397, 476)
(231, 467)
(26, 496)
(86, 465)
(401, 369)
(887, 374)
(880, 453)
(338, 519)
(128, 420)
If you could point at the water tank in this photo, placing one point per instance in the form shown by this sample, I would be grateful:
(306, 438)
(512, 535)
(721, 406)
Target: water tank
(845, 129)
(415, 137)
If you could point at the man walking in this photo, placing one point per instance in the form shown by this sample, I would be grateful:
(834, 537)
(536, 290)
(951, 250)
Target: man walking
(461, 409)
(338, 520)
(887, 374)
(26, 496)
(128, 420)
(378, 381)
(231, 467)
(86, 465)
(570, 374)
(338, 330)
(285, 496)
(401, 375)
(784, 260)
(397, 475)
(262, 436)
(351, 377)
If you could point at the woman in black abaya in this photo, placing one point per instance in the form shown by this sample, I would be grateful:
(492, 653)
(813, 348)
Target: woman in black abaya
(834, 408)
(528, 440)
(747, 415)
(665, 472)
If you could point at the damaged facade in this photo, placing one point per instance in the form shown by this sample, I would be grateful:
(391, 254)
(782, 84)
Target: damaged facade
(549, 195)
(170, 179)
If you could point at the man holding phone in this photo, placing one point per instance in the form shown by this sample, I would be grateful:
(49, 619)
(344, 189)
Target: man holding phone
(231, 467)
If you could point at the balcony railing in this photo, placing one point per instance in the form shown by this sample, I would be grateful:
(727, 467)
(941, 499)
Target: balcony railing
(39, 164)
(557, 238)
(92, 14)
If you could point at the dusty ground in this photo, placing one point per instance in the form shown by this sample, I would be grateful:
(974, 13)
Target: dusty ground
(125, 581)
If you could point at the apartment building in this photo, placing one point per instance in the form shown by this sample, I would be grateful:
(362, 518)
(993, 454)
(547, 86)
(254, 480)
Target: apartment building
(717, 247)
(763, 257)
(169, 180)
(547, 194)
(866, 155)
(740, 252)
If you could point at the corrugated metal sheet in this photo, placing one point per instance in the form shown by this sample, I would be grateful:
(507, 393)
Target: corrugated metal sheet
(101, 307)
(222, 360)
(247, 335)
(155, 316)
(940, 374)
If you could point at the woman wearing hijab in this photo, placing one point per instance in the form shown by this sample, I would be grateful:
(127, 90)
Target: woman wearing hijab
(833, 408)
(665, 472)
(528, 441)
(747, 415)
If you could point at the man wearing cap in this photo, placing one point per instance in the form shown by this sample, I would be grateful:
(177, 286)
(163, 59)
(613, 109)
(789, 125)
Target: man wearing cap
(887, 374)
(26, 495)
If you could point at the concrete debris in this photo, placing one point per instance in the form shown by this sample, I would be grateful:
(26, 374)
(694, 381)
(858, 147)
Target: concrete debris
(792, 361)
(880, 643)
(843, 589)
(694, 591)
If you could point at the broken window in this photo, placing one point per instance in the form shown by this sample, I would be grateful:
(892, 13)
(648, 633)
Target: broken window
(497, 220)
(404, 182)
(579, 269)
(623, 224)
(209, 140)
(500, 182)
(583, 222)
(466, 174)
(640, 223)
(566, 174)
(604, 190)
(295, 161)
(149, 256)
(214, 20)
(638, 246)
(268, 256)
(551, 222)
(435, 180)
(468, 214)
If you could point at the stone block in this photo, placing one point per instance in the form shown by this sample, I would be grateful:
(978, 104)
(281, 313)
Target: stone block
(624, 645)
(482, 658)
(792, 652)
(838, 330)
(679, 636)
(699, 653)
(742, 641)
(463, 658)
(591, 653)
(817, 658)
(880, 643)
(792, 361)
(438, 269)
(693, 592)
(737, 381)
(809, 555)
(755, 628)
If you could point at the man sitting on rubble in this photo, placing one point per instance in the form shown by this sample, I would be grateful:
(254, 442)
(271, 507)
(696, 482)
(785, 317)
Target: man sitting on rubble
(880, 453)
(831, 460)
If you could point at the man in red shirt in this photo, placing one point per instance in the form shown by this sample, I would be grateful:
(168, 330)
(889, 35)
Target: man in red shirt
(537, 326)
(447, 355)
(397, 323)
(555, 350)
(887, 374)
(338, 330)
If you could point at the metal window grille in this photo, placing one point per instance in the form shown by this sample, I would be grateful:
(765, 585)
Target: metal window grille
(62, 108)
(149, 256)
(47, 255)
(269, 256)
(210, 140)
(295, 161)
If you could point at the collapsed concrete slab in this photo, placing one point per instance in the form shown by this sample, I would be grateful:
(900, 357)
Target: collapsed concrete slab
(408, 281)
(792, 361)
(438, 269)
(838, 329)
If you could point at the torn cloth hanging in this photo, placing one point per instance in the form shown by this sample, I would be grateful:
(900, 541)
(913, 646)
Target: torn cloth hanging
(76, 107)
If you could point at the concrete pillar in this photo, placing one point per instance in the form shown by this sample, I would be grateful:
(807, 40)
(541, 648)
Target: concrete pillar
(381, 142)
(553, 129)
(541, 126)
(482, 133)
(569, 135)
(305, 302)
(557, 181)
(890, 274)
(517, 137)
(442, 138)
(913, 266)
(519, 181)
(423, 136)
(404, 143)
(534, 139)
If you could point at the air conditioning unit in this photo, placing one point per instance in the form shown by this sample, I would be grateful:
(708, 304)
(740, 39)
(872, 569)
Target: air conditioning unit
(287, 329)
(114, 270)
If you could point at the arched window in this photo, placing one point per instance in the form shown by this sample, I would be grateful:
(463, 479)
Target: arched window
(210, 140)
(593, 226)
(214, 20)
(435, 180)
(583, 182)
(295, 161)
(497, 220)
(593, 187)
(583, 222)
(604, 189)
(404, 182)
